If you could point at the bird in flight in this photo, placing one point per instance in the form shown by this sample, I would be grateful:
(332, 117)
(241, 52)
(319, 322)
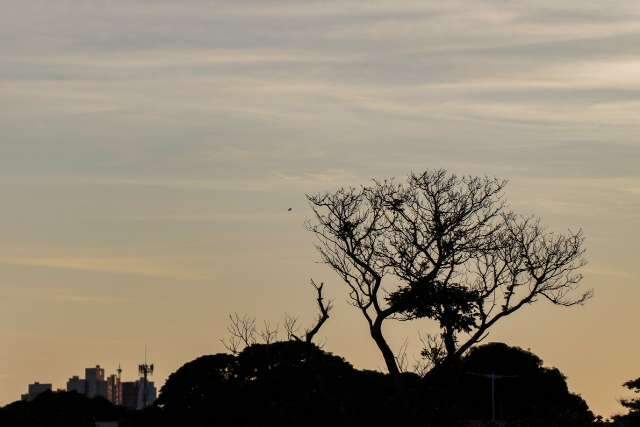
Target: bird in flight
(289, 210)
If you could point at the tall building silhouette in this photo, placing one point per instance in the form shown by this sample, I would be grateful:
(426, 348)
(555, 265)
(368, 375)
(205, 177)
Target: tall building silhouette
(95, 382)
(114, 389)
(76, 384)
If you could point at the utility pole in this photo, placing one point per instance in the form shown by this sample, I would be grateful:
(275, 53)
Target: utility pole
(493, 377)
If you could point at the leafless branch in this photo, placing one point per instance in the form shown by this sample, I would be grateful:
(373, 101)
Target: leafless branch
(269, 334)
(242, 333)
(290, 325)
(401, 357)
(324, 308)
(233, 345)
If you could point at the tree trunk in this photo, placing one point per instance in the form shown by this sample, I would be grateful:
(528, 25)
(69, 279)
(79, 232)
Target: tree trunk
(387, 353)
(449, 342)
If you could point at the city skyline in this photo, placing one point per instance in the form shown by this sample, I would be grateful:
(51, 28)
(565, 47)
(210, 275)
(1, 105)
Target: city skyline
(96, 383)
(150, 156)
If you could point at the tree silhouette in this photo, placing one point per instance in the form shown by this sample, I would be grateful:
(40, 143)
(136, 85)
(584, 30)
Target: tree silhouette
(205, 390)
(455, 252)
(523, 393)
(632, 417)
(284, 383)
(292, 383)
(632, 404)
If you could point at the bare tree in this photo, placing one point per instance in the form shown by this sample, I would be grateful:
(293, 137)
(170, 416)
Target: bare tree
(268, 333)
(451, 250)
(290, 325)
(243, 332)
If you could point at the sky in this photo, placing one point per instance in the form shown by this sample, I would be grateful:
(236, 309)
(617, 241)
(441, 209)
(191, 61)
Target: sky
(150, 151)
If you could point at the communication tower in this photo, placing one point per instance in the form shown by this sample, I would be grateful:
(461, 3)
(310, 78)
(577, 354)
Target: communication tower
(145, 370)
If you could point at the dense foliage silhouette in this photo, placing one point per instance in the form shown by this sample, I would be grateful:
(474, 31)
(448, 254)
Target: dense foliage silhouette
(61, 409)
(205, 388)
(295, 383)
(632, 417)
(526, 393)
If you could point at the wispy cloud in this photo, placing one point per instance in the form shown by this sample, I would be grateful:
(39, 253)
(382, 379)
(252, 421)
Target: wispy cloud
(174, 58)
(311, 181)
(104, 264)
(88, 299)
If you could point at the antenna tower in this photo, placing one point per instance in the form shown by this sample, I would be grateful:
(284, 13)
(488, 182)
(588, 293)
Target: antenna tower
(145, 370)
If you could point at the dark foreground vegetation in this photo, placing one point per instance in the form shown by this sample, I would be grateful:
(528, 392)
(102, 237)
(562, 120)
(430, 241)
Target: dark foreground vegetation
(294, 383)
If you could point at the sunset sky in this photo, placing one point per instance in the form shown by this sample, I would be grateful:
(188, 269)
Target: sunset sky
(150, 150)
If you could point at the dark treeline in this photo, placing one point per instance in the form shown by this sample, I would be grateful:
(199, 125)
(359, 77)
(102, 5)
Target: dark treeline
(295, 383)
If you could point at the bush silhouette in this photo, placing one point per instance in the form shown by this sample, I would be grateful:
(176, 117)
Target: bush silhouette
(60, 409)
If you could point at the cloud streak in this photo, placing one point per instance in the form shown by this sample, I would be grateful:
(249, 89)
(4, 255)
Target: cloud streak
(118, 265)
